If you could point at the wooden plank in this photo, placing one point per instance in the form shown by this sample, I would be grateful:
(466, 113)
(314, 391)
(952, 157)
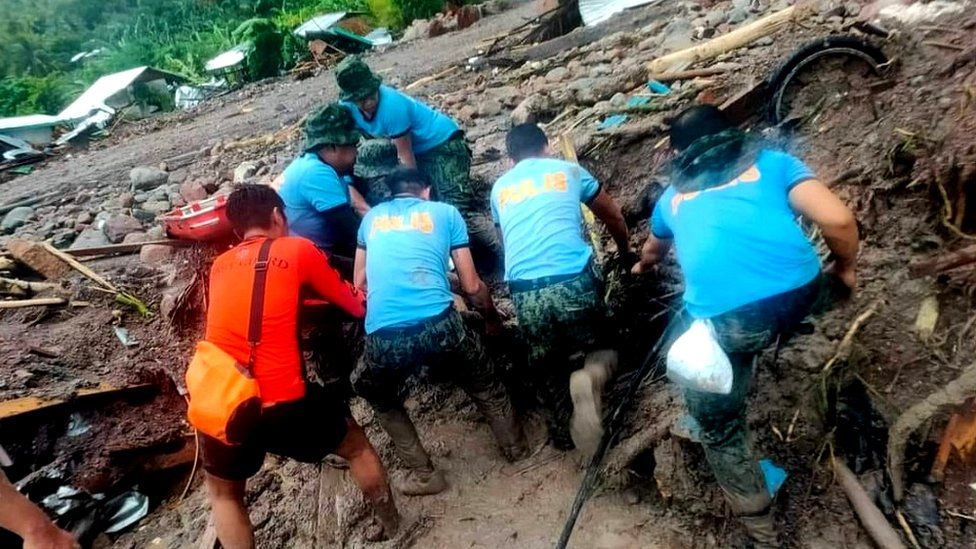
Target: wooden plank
(92, 275)
(114, 249)
(29, 404)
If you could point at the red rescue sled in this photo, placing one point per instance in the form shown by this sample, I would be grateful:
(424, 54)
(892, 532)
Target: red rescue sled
(203, 220)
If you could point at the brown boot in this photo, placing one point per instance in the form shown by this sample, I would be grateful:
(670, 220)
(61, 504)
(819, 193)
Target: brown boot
(756, 515)
(421, 479)
(586, 389)
(497, 409)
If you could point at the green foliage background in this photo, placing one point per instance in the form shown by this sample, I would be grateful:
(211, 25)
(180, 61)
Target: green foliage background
(39, 37)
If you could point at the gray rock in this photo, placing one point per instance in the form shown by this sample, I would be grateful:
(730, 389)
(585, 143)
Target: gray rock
(63, 238)
(737, 15)
(16, 218)
(677, 35)
(155, 254)
(530, 109)
(139, 198)
(557, 74)
(147, 177)
(489, 107)
(135, 238)
(90, 238)
(192, 191)
(157, 232)
(159, 194)
(245, 171)
(157, 207)
(84, 218)
(119, 225)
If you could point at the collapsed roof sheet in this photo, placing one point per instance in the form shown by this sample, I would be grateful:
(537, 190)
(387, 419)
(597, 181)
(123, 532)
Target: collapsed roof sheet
(319, 24)
(105, 87)
(29, 121)
(598, 11)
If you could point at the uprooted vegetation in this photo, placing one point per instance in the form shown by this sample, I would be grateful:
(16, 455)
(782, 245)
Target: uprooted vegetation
(897, 146)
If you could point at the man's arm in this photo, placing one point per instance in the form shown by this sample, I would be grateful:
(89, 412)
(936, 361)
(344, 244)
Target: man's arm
(359, 270)
(607, 209)
(475, 288)
(814, 201)
(357, 201)
(404, 147)
(25, 519)
(325, 281)
(652, 253)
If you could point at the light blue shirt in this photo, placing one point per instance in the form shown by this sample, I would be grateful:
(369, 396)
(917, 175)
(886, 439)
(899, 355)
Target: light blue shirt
(311, 187)
(398, 114)
(537, 206)
(408, 243)
(739, 242)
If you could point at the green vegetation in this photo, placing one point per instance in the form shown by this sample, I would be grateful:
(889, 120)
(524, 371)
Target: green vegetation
(38, 38)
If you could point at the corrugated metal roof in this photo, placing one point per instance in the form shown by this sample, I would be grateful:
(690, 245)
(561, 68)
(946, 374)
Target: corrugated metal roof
(320, 23)
(105, 87)
(229, 58)
(598, 11)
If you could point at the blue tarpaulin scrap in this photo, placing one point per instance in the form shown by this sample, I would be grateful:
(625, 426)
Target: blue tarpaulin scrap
(612, 121)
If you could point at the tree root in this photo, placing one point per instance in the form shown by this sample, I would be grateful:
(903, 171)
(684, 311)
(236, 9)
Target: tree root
(955, 392)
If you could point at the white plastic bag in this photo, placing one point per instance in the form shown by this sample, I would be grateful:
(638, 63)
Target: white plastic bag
(697, 362)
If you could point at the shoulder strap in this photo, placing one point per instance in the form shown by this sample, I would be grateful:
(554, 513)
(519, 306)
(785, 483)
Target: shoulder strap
(257, 300)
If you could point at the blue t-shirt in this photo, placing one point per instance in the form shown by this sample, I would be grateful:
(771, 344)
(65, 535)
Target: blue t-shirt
(311, 187)
(398, 114)
(408, 243)
(537, 206)
(739, 242)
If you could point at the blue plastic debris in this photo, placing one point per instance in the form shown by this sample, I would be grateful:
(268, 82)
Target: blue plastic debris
(658, 87)
(775, 476)
(638, 100)
(612, 121)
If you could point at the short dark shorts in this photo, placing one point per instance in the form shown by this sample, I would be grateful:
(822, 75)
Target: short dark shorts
(305, 430)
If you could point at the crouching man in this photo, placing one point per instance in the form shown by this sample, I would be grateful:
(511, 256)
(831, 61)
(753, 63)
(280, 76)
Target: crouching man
(748, 267)
(404, 249)
(299, 420)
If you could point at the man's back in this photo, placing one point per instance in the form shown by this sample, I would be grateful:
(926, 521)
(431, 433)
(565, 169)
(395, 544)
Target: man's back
(398, 114)
(294, 264)
(310, 190)
(739, 242)
(537, 206)
(408, 242)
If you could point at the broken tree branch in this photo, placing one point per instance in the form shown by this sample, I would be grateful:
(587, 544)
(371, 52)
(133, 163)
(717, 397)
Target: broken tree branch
(432, 78)
(844, 349)
(955, 392)
(37, 302)
(694, 73)
(738, 38)
(76, 265)
(871, 517)
(944, 262)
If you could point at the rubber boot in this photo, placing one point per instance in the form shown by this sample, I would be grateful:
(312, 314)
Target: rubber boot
(498, 410)
(756, 515)
(387, 520)
(586, 387)
(421, 479)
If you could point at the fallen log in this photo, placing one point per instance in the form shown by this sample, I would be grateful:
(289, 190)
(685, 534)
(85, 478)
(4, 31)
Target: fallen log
(26, 405)
(944, 262)
(121, 249)
(955, 392)
(871, 517)
(738, 38)
(694, 73)
(432, 78)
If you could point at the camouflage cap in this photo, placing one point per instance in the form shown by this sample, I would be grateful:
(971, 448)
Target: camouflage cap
(331, 125)
(356, 81)
(377, 158)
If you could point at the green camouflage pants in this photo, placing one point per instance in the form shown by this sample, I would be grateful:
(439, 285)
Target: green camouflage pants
(742, 334)
(556, 322)
(445, 344)
(448, 169)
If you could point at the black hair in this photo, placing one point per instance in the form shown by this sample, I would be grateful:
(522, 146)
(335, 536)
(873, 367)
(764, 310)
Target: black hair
(525, 140)
(251, 206)
(406, 180)
(696, 122)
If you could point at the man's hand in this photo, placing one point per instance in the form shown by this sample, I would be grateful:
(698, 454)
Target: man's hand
(50, 536)
(639, 268)
(628, 259)
(846, 273)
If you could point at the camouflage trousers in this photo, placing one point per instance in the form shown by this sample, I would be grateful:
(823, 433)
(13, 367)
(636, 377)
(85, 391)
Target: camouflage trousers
(743, 333)
(448, 168)
(557, 321)
(444, 343)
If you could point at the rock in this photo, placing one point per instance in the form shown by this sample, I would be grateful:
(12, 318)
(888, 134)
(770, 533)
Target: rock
(84, 218)
(157, 207)
(468, 15)
(139, 198)
(156, 233)
(489, 107)
(146, 177)
(494, 7)
(557, 74)
(245, 171)
(63, 238)
(737, 15)
(119, 225)
(508, 95)
(37, 258)
(143, 215)
(417, 30)
(155, 254)
(135, 238)
(467, 114)
(677, 35)
(192, 191)
(530, 109)
(16, 218)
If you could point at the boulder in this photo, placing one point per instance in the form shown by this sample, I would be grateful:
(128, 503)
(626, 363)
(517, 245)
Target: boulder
(155, 254)
(63, 238)
(16, 218)
(557, 74)
(119, 225)
(147, 177)
(37, 258)
(135, 238)
(157, 207)
(489, 107)
(84, 218)
(192, 191)
(530, 109)
(245, 171)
